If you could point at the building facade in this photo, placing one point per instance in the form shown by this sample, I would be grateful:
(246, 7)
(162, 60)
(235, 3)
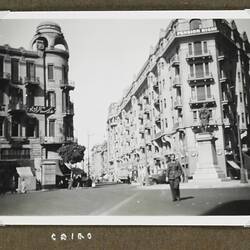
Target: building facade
(36, 113)
(99, 161)
(196, 64)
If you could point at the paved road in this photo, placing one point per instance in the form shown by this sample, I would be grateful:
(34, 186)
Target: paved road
(123, 199)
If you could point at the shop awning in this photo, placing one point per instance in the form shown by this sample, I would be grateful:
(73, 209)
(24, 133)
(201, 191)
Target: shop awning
(233, 164)
(58, 170)
(24, 172)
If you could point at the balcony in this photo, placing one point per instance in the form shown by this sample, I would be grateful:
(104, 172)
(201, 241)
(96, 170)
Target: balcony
(5, 77)
(176, 82)
(178, 103)
(198, 57)
(197, 123)
(56, 140)
(3, 110)
(31, 81)
(195, 103)
(175, 61)
(16, 108)
(67, 85)
(200, 78)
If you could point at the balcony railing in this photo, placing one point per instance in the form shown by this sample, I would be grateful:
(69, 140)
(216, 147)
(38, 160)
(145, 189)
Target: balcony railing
(16, 107)
(195, 102)
(176, 82)
(200, 77)
(64, 84)
(175, 61)
(197, 122)
(200, 56)
(223, 78)
(31, 81)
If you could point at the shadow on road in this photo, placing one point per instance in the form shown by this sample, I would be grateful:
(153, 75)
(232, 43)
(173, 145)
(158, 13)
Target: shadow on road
(186, 198)
(239, 207)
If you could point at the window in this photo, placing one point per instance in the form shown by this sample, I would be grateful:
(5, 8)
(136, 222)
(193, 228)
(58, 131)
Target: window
(205, 47)
(193, 92)
(30, 70)
(30, 130)
(190, 50)
(195, 116)
(1, 97)
(165, 103)
(241, 97)
(52, 99)
(209, 91)
(166, 122)
(64, 74)
(197, 48)
(52, 128)
(242, 117)
(199, 70)
(1, 66)
(50, 71)
(195, 24)
(201, 93)
(207, 69)
(15, 153)
(239, 78)
(1, 127)
(14, 70)
(191, 70)
(14, 128)
(210, 114)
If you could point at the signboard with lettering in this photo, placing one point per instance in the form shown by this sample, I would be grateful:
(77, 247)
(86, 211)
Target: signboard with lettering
(41, 110)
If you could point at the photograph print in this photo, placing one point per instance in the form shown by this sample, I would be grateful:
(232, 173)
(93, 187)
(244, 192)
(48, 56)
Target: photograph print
(125, 117)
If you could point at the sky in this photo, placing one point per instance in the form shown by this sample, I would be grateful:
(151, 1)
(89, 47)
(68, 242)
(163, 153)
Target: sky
(105, 55)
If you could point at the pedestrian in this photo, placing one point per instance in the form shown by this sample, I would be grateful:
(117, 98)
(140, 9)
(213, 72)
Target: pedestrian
(13, 185)
(23, 186)
(70, 183)
(173, 176)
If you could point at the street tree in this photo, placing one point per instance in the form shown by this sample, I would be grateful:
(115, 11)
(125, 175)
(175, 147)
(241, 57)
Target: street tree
(72, 153)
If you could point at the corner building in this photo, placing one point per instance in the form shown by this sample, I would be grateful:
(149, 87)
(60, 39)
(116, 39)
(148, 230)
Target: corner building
(36, 115)
(195, 64)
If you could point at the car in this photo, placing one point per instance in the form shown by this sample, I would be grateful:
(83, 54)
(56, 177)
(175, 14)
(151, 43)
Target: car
(159, 178)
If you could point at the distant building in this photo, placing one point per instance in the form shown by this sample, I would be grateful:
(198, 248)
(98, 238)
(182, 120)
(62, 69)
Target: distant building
(36, 113)
(195, 64)
(99, 161)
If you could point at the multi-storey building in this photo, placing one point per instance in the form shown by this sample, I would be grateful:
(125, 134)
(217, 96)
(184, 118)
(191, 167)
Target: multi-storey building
(99, 163)
(195, 64)
(36, 114)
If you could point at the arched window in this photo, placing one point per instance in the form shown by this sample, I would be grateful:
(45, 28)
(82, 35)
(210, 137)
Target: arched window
(195, 24)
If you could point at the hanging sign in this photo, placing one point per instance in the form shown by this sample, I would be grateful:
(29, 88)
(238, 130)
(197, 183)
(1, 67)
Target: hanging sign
(41, 110)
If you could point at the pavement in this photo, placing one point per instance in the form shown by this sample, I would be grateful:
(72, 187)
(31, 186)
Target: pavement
(198, 185)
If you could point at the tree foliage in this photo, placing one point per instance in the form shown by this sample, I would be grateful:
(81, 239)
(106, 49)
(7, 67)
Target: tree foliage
(72, 153)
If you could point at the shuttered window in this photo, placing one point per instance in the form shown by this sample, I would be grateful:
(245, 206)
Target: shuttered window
(52, 128)
(197, 48)
(201, 93)
(30, 70)
(199, 72)
(50, 72)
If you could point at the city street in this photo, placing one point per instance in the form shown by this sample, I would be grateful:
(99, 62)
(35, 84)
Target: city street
(124, 199)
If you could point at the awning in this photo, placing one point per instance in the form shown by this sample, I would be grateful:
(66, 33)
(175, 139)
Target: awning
(58, 170)
(233, 164)
(24, 171)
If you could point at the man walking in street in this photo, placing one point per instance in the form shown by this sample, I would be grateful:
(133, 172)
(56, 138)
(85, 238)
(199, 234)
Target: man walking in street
(173, 176)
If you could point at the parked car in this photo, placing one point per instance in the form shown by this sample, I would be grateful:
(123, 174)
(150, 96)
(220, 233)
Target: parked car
(159, 178)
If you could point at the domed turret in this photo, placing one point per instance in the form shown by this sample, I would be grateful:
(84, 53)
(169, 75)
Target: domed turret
(50, 35)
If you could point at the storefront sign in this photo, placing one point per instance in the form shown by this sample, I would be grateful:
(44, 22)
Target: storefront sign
(41, 110)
